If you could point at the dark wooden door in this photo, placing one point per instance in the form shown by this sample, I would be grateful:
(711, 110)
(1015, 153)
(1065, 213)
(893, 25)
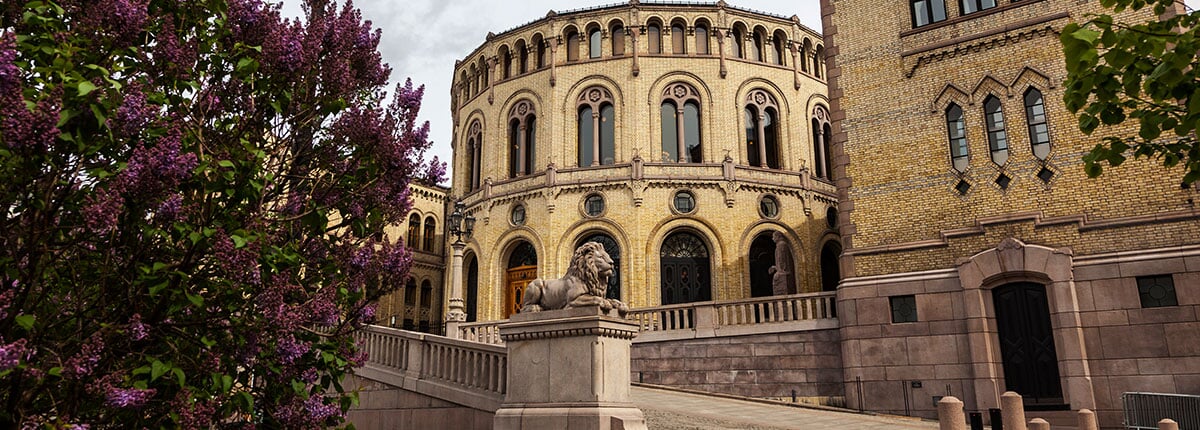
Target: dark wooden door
(518, 278)
(684, 265)
(1027, 342)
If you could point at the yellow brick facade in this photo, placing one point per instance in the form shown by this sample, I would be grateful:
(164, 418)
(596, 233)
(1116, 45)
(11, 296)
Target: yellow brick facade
(638, 186)
(414, 307)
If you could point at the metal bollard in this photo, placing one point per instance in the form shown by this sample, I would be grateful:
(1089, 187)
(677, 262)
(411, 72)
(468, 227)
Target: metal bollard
(996, 418)
(976, 419)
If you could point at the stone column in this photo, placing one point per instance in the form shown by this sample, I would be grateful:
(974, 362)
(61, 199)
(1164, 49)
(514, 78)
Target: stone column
(762, 138)
(455, 316)
(633, 44)
(679, 130)
(596, 135)
(568, 369)
(721, 50)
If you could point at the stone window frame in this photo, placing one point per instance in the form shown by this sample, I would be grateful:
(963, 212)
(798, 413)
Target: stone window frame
(618, 30)
(512, 215)
(521, 154)
(737, 32)
(522, 51)
(675, 200)
(595, 98)
(1145, 297)
(996, 129)
(680, 94)
(762, 207)
(679, 32)
(475, 159)
(822, 132)
(929, 9)
(758, 41)
(702, 29)
(762, 100)
(1031, 122)
(595, 35)
(652, 39)
(506, 60)
(586, 201)
(904, 309)
(779, 45)
(572, 38)
(539, 45)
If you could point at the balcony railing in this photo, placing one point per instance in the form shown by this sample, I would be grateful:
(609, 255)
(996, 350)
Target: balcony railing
(799, 312)
(468, 373)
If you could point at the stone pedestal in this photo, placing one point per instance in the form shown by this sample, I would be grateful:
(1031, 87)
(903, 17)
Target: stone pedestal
(568, 369)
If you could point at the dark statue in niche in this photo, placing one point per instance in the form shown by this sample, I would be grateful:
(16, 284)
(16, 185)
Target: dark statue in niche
(585, 284)
(782, 281)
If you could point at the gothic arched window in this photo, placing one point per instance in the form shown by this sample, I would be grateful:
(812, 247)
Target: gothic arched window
(822, 168)
(762, 129)
(522, 123)
(739, 37)
(681, 139)
(678, 38)
(596, 127)
(1035, 116)
(572, 38)
(414, 231)
(993, 113)
(430, 234)
(956, 130)
(474, 152)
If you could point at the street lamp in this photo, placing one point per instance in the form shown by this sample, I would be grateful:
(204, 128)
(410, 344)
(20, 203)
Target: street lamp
(460, 226)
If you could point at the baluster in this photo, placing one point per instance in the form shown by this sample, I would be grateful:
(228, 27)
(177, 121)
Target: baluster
(502, 372)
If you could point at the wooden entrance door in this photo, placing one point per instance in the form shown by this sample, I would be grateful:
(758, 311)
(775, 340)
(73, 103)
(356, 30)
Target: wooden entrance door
(517, 279)
(1027, 342)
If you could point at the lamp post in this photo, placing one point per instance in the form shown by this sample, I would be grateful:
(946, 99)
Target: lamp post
(460, 226)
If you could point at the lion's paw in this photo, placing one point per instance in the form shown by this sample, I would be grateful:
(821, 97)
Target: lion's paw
(530, 308)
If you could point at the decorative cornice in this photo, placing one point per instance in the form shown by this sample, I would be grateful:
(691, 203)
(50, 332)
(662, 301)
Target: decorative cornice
(570, 332)
(1010, 34)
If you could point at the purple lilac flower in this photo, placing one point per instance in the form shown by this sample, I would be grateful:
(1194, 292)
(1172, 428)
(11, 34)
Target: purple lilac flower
(137, 330)
(290, 349)
(318, 410)
(11, 354)
(85, 361)
(127, 397)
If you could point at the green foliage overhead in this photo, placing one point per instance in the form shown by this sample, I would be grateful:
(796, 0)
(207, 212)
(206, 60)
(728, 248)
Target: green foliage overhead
(1143, 71)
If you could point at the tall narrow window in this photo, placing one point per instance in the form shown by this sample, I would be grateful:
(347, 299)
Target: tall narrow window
(818, 62)
(756, 51)
(1035, 116)
(654, 38)
(805, 52)
(678, 40)
(414, 231)
(739, 37)
(762, 129)
(702, 39)
(596, 127)
(956, 130)
(997, 138)
(474, 152)
(522, 57)
(972, 6)
(778, 41)
(540, 46)
(430, 234)
(594, 43)
(506, 62)
(617, 34)
(925, 12)
(821, 156)
(572, 45)
(522, 138)
(681, 139)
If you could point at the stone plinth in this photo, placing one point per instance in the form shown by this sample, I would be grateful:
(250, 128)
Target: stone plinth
(568, 369)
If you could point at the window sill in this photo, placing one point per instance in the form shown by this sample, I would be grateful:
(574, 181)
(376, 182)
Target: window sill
(964, 18)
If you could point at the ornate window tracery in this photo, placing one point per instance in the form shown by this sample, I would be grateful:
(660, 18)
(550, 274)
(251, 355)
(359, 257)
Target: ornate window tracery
(597, 128)
(762, 129)
(681, 138)
(522, 126)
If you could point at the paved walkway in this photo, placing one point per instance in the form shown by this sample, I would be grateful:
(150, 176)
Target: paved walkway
(672, 410)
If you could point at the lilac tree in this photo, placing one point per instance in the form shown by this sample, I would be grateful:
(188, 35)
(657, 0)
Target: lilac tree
(192, 194)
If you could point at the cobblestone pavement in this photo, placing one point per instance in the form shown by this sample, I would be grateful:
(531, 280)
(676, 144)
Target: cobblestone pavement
(672, 410)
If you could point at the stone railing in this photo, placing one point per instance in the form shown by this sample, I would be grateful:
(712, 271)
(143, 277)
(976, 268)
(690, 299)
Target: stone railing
(467, 373)
(812, 311)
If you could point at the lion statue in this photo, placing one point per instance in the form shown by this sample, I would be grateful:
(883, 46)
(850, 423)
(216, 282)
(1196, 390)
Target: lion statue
(585, 284)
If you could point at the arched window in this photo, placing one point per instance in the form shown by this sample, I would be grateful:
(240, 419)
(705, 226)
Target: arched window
(1035, 116)
(805, 52)
(818, 61)
(464, 85)
(522, 269)
(654, 37)
(681, 139)
(762, 129)
(757, 51)
(414, 231)
(684, 267)
(505, 62)
(956, 130)
(522, 57)
(484, 82)
(522, 123)
(614, 251)
(410, 292)
(594, 43)
(739, 37)
(830, 272)
(778, 42)
(762, 258)
(678, 38)
(572, 37)
(472, 294)
(702, 38)
(596, 127)
(474, 80)
(993, 114)
(617, 34)
(474, 152)
(426, 294)
(925, 12)
(430, 233)
(540, 45)
(821, 135)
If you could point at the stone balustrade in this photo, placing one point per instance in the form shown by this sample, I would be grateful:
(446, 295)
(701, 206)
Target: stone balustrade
(798, 312)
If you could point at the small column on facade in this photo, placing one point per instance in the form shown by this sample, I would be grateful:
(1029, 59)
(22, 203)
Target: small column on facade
(762, 138)
(553, 58)
(596, 136)
(795, 65)
(1012, 410)
(491, 77)
(721, 49)
(950, 414)
(633, 41)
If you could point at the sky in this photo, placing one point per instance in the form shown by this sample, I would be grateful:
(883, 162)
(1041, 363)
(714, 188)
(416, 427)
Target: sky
(422, 39)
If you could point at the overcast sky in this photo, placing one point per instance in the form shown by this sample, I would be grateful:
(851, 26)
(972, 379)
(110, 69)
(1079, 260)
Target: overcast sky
(423, 38)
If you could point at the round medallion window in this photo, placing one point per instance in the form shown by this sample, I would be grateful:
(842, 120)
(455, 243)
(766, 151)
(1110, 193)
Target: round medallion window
(593, 205)
(684, 202)
(518, 215)
(768, 207)
(831, 217)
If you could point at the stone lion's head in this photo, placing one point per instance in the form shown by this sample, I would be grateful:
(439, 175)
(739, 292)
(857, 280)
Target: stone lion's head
(593, 266)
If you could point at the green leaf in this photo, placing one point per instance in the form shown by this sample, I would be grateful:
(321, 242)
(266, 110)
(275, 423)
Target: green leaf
(238, 241)
(157, 369)
(195, 299)
(26, 321)
(85, 88)
(179, 375)
(225, 163)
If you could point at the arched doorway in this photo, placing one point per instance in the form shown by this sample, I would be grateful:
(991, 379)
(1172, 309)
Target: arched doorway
(522, 269)
(1027, 342)
(830, 272)
(614, 251)
(762, 257)
(472, 294)
(684, 269)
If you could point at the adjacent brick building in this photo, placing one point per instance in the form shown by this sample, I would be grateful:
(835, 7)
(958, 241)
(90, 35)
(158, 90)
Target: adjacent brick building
(418, 304)
(978, 256)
